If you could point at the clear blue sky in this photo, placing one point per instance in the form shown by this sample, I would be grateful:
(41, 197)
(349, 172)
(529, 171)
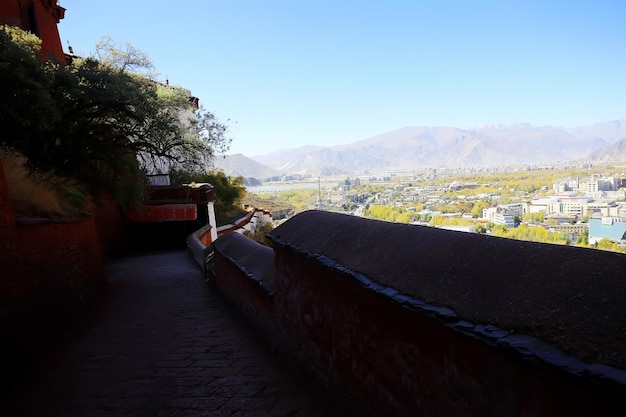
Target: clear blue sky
(293, 73)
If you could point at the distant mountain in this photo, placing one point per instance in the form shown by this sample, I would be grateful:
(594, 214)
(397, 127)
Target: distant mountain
(420, 147)
(609, 131)
(612, 153)
(241, 166)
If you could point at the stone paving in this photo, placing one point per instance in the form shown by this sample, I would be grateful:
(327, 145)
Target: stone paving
(166, 345)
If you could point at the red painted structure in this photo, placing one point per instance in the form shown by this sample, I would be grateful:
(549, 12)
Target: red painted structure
(324, 294)
(39, 17)
(171, 203)
(164, 213)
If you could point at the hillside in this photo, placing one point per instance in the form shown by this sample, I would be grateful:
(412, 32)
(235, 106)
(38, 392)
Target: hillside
(612, 153)
(420, 147)
(238, 165)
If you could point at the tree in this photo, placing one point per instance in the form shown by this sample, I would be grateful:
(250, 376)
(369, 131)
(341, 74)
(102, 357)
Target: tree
(172, 135)
(127, 57)
(229, 191)
(98, 122)
(477, 209)
(480, 228)
(26, 103)
(534, 217)
(608, 244)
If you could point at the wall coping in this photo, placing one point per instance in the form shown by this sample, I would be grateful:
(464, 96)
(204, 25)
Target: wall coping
(255, 260)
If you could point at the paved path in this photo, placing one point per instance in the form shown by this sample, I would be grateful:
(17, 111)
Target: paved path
(166, 346)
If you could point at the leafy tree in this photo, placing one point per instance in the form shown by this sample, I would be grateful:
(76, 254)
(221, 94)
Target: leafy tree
(608, 244)
(229, 191)
(450, 221)
(127, 57)
(583, 239)
(389, 213)
(477, 209)
(534, 217)
(260, 234)
(26, 103)
(480, 228)
(533, 234)
(97, 122)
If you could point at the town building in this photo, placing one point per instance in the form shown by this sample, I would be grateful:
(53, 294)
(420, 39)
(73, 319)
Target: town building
(503, 214)
(572, 231)
(613, 228)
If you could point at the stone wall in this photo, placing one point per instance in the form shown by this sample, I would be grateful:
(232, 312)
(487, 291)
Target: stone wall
(417, 321)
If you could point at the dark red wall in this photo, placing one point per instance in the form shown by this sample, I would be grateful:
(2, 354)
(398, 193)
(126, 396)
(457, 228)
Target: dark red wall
(404, 363)
(47, 14)
(244, 281)
(393, 353)
(50, 274)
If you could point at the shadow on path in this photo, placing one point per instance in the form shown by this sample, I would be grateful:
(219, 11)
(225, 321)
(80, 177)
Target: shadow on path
(165, 345)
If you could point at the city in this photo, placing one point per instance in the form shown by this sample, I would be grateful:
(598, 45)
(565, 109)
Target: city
(575, 205)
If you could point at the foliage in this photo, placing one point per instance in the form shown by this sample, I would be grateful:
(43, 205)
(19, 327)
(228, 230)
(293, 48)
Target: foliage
(456, 207)
(530, 233)
(278, 209)
(300, 199)
(229, 191)
(450, 221)
(260, 234)
(390, 214)
(477, 209)
(34, 193)
(29, 42)
(480, 228)
(608, 244)
(98, 123)
(127, 57)
(534, 217)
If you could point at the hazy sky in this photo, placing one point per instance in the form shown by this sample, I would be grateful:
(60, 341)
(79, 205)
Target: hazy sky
(300, 72)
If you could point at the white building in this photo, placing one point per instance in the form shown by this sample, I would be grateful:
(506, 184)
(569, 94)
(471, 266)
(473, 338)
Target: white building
(503, 214)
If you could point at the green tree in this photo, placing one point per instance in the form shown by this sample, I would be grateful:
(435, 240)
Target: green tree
(229, 191)
(97, 122)
(534, 217)
(583, 239)
(27, 105)
(608, 244)
(477, 209)
(127, 57)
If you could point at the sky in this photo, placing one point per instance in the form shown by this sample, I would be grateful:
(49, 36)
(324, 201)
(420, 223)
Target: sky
(285, 74)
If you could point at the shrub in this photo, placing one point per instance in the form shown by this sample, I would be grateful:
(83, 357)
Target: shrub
(34, 193)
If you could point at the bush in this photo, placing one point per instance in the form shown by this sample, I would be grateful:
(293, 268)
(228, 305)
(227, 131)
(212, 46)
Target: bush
(33, 193)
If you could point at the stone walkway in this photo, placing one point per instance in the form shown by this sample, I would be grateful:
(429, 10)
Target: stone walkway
(165, 345)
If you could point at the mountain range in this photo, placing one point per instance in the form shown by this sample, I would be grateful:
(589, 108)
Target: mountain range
(441, 147)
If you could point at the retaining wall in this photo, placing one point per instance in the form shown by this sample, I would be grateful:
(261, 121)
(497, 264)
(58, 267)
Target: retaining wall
(417, 321)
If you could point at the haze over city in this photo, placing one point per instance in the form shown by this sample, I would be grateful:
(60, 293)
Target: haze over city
(290, 74)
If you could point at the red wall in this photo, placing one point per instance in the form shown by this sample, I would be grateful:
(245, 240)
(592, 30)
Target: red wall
(397, 359)
(50, 274)
(244, 281)
(404, 363)
(48, 14)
